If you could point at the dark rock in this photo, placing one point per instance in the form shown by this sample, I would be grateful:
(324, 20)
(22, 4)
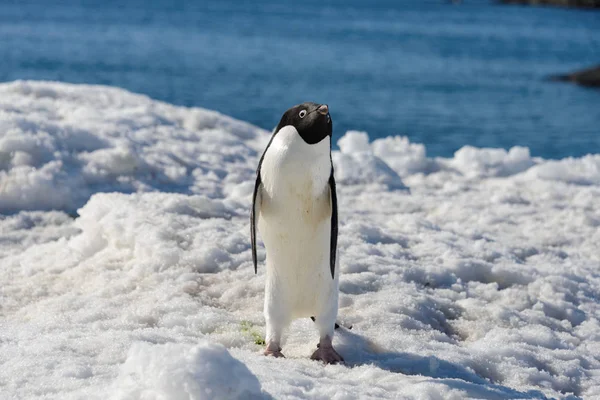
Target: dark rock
(560, 3)
(586, 77)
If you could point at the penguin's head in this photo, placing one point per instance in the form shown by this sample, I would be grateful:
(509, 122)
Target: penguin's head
(311, 120)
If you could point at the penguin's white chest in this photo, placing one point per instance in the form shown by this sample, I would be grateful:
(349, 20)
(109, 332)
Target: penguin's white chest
(295, 220)
(295, 179)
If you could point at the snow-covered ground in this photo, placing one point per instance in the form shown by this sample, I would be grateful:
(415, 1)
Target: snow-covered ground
(125, 267)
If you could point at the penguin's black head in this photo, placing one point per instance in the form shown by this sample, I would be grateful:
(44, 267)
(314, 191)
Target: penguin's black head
(311, 120)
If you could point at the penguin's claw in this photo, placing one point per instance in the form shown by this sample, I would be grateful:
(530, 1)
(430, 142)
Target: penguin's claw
(274, 350)
(274, 353)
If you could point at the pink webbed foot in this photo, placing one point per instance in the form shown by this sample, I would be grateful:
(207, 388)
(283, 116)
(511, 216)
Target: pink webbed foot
(326, 353)
(273, 350)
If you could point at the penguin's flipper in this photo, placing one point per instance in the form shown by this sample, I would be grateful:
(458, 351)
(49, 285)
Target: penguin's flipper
(256, 201)
(334, 224)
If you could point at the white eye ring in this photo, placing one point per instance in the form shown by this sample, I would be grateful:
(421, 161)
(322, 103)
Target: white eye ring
(302, 114)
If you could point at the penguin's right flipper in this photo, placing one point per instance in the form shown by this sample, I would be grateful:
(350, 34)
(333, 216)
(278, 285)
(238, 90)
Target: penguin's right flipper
(256, 201)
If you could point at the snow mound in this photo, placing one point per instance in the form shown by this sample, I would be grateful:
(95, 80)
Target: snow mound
(581, 171)
(61, 143)
(149, 228)
(473, 162)
(404, 157)
(356, 163)
(386, 160)
(205, 371)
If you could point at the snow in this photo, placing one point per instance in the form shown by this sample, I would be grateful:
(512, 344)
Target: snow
(583, 171)
(356, 164)
(126, 265)
(176, 371)
(58, 147)
(473, 162)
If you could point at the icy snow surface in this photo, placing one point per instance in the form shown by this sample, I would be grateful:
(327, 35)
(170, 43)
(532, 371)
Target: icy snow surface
(480, 281)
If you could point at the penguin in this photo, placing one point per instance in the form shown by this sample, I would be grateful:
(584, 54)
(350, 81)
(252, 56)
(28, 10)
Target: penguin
(294, 206)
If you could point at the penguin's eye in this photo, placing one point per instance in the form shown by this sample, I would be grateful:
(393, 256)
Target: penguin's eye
(302, 114)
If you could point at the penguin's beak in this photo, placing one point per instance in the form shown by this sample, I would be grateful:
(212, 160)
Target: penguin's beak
(323, 109)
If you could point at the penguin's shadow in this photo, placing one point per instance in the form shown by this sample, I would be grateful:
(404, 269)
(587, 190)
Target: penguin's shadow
(358, 350)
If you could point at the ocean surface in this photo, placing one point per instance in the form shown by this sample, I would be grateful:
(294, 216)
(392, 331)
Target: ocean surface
(443, 74)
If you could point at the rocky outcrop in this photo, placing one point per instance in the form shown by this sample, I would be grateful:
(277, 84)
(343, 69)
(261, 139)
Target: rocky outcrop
(560, 3)
(586, 77)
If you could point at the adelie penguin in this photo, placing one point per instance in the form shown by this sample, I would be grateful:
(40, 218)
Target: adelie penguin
(295, 208)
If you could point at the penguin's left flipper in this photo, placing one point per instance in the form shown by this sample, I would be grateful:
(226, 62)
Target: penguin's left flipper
(337, 326)
(256, 202)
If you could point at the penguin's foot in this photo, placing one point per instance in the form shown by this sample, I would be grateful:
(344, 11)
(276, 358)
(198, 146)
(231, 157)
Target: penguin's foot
(326, 353)
(274, 350)
(274, 353)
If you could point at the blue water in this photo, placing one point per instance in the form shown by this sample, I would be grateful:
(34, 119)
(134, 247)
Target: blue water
(444, 75)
